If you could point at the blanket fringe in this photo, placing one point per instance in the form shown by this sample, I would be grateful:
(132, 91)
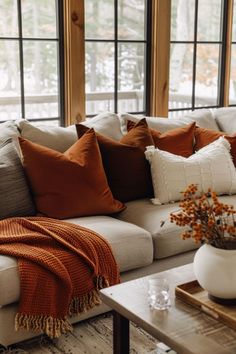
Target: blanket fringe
(86, 302)
(92, 298)
(101, 282)
(53, 327)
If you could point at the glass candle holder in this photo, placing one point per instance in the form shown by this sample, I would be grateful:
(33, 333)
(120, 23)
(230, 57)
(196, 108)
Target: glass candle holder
(158, 293)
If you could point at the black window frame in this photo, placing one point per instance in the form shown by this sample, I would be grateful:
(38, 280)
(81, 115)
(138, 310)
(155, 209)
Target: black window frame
(147, 59)
(233, 43)
(60, 59)
(222, 58)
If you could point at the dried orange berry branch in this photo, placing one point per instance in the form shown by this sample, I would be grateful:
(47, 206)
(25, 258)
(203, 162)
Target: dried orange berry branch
(208, 220)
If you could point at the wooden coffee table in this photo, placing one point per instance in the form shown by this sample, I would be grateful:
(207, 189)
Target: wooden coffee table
(183, 328)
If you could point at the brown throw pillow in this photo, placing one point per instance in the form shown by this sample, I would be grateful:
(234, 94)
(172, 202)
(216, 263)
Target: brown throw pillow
(205, 136)
(69, 184)
(178, 141)
(127, 170)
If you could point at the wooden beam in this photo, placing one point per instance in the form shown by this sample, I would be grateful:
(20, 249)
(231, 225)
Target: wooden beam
(160, 57)
(74, 59)
(228, 52)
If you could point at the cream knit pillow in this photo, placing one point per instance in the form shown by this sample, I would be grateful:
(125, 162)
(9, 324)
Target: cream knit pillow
(210, 167)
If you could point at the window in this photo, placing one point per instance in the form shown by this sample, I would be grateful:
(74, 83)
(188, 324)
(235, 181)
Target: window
(116, 43)
(127, 69)
(196, 54)
(30, 85)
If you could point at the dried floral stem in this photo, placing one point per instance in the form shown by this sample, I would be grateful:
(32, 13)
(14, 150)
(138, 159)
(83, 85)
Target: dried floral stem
(209, 221)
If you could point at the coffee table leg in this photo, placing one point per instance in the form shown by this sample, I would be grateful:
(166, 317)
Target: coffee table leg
(120, 334)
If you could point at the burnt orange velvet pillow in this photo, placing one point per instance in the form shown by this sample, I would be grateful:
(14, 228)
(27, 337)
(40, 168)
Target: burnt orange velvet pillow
(69, 184)
(178, 141)
(127, 170)
(205, 136)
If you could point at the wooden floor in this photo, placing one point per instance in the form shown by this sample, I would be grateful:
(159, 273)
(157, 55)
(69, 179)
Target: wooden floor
(90, 337)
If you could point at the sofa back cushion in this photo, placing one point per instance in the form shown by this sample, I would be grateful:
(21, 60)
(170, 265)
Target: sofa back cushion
(203, 118)
(14, 191)
(60, 138)
(178, 141)
(126, 168)
(210, 167)
(226, 119)
(158, 123)
(53, 137)
(69, 184)
(107, 124)
(8, 130)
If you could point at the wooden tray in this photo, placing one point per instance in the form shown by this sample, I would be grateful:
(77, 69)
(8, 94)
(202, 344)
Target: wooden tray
(193, 294)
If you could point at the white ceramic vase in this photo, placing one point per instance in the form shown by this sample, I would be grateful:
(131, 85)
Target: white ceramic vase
(215, 270)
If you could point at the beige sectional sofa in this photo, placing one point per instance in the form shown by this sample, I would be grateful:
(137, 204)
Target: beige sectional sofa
(140, 245)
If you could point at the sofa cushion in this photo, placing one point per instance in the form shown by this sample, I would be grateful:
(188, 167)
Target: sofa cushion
(178, 141)
(210, 167)
(226, 119)
(8, 130)
(159, 123)
(60, 139)
(204, 118)
(132, 247)
(53, 137)
(69, 184)
(166, 239)
(15, 198)
(204, 137)
(126, 168)
(106, 123)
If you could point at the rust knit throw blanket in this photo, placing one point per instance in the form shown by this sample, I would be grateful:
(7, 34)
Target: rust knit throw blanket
(61, 266)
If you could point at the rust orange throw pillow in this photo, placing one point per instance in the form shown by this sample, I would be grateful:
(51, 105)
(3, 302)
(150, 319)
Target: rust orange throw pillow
(178, 141)
(69, 184)
(205, 136)
(127, 170)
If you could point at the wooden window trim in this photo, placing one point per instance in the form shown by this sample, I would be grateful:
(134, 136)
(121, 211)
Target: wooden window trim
(160, 57)
(74, 61)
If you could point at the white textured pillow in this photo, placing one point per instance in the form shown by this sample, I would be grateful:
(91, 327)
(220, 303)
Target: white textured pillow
(210, 167)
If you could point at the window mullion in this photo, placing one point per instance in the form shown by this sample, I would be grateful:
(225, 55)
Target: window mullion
(195, 53)
(21, 57)
(60, 60)
(148, 25)
(116, 56)
(224, 78)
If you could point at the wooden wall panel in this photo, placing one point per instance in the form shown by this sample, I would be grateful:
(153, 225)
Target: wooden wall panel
(74, 61)
(160, 56)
